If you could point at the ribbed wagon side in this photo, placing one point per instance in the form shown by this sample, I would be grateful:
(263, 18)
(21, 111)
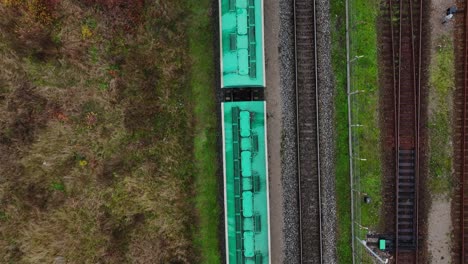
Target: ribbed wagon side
(241, 41)
(246, 182)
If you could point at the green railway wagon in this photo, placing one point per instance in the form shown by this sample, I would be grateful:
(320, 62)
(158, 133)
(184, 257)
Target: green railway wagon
(246, 182)
(241, 41)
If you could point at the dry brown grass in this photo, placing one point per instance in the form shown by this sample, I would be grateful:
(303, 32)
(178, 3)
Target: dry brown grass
(95, 133)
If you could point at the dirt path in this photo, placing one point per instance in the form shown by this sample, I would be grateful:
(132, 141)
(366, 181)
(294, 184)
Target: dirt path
(273, 99)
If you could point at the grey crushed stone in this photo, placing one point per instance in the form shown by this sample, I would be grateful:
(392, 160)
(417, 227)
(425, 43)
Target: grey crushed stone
(288, 145)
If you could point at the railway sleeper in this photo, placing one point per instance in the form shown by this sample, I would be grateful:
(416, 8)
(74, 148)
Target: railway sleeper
(402, 205)
(406, 151)
(402, 212)
(404, 201)
(406, 236)
(402, 215)
(406, 172)
(406, 158)
(405, 229)
(406, 184)
(306, 132)
(311, 125)
(404, 177)
(408, 231)
(405, 221)
(405, 216)
(406, 164)
(405, 194)
(406, 243)
(402, 161)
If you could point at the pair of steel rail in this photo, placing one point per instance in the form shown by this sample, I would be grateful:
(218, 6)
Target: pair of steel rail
(308, 131)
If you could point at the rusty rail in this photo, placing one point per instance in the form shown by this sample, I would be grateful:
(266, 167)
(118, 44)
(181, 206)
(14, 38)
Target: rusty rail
(464, 177)
(460, 201)
(407, 89)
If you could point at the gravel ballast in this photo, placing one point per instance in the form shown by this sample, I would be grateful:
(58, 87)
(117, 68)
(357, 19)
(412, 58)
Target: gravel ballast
(327, 132)
(289, 150)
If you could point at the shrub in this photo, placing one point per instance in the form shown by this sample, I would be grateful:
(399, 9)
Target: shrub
(27, 26)
(41, 10)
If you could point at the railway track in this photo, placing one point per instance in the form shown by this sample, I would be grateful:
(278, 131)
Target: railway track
(405, 34)
(307, 132)
(461, 127)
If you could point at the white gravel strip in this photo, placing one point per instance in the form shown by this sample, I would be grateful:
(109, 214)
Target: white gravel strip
(327, 132)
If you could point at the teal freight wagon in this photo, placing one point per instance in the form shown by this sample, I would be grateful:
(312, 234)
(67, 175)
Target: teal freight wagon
(241, 43)
(246, 182)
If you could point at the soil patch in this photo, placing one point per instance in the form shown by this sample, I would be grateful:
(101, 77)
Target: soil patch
(440, 226)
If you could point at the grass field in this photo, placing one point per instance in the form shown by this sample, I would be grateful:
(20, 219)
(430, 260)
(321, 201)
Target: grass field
(100, 122)
(364, 76)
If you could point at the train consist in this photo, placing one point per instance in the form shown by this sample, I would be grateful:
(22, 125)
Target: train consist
(243, 112)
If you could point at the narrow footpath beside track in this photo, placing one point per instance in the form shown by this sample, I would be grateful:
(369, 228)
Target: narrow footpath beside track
(307, 132)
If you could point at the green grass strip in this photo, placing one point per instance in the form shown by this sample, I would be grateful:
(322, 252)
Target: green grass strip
(342, 157)
(364, 76)
(442, 85)
(202, 82)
